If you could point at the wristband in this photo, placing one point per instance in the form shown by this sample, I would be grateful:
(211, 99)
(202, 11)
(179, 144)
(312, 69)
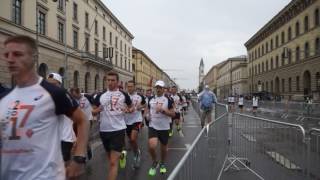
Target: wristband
(79, 159)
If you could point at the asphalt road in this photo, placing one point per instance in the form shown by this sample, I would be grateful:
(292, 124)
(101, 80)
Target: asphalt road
(97, 168)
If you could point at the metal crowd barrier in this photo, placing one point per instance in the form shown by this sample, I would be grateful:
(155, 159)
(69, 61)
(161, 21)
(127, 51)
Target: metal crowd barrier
(259, 147)
(206, 154)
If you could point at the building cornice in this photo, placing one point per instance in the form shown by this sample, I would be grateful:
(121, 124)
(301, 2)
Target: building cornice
(294, 8)
(114, 18)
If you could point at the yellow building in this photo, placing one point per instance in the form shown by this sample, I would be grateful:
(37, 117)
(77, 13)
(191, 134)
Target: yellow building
(75, 39)
(146, 72)
(284, 55)
(211, 78)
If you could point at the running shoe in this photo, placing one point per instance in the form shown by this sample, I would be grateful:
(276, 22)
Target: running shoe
(178, 127)
(170, 132)
(163, 168)
(123, 159)
(137, 159)
(153, 169)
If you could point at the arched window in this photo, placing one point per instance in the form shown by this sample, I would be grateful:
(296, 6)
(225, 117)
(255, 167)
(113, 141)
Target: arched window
(306, 50)
(76, 79)
(297, 29)
(43, 70)
(297, 53)
(282, 37)
(306, 23)
(316, 18)
(271, 63)
(289, 56)
(267, 47)
(289, 34)
(289, 85)
(318, 81)
(96, 83)
(277, 41)
(317, 46)
(271, 44)
(277, 61)
(262, 67)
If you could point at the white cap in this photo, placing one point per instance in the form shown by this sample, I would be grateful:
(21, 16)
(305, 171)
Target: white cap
(160, 83)
(56, 76)
(206, 86)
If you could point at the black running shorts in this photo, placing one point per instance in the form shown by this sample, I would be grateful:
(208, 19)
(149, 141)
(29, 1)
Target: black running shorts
(162, 135)
(113, 141)
(135, 126)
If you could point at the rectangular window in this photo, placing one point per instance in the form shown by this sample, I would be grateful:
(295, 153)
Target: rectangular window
(110, 38)
(283, 85)
(116, 41)
(96, 27)
(75, 39)
(96, 48)
(104, 33)
(42, 23)
(75, 11)
(60, 5)
(121, 45)
(86, 20)
(125, 64)
(87, 42)
(16, 11)
(60, 32)
(289, 83)
(104, 51)
(125, 49)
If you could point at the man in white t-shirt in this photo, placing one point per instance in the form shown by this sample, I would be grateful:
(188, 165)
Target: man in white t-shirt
(29, 119)
(254, 104)
(178, 106)
(134, 121)
(241, 103)
(161, 111)
(112, 106)
(68, 136)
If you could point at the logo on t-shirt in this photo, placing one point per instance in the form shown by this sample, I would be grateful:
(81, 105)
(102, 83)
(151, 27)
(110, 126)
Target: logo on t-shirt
(38, 97)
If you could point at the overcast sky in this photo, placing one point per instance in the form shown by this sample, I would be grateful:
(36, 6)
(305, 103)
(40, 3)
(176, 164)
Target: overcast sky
(176, 34)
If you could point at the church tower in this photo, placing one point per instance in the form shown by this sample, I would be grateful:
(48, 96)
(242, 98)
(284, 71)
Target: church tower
(201, 72)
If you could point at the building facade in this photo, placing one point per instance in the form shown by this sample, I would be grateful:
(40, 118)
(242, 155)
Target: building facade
(146, 72)
(225, 76)
(211, 78)
(240, 78)
(80, 39)
(284, 55)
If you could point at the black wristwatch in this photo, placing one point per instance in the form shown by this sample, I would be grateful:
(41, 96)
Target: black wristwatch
(79, 159)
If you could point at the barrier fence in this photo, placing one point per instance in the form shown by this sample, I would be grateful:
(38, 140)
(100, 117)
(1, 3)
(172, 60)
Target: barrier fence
(259, 147)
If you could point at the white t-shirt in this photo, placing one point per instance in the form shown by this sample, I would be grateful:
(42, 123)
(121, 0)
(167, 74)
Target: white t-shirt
(31, 138)
(255, 102)
(136, 115)
(184, 101)
(177, 102)
(240, 101)
(158, 120)
(85, 106)
(229, 99)
(66, 128)
(112, 115)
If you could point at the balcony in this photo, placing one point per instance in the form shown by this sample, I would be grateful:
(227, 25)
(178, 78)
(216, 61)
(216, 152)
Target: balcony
(96, 60)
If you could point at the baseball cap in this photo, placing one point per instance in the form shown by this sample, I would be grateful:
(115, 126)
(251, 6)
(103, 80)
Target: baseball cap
(55, 76)
(159, 83)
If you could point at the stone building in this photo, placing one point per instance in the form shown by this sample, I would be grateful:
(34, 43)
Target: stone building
(284, 55)
(75, 37)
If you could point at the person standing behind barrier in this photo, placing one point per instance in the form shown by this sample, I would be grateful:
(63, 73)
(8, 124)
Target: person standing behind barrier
(254, 105)
(161, 111)
(207, 99)
(240, 103)
(29, 118)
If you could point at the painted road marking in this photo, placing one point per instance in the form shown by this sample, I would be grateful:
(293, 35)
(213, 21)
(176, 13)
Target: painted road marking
(249, 137)
(187, 146)
(283, 160)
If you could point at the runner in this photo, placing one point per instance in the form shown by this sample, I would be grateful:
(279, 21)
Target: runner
(145, 114)
(112, 106)
(161, 111)
(240, 103)
(86, 108)
(232, 102)
(68, 136)
(177, 104)
(134, 121)
(254, 105)
(29, 119)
